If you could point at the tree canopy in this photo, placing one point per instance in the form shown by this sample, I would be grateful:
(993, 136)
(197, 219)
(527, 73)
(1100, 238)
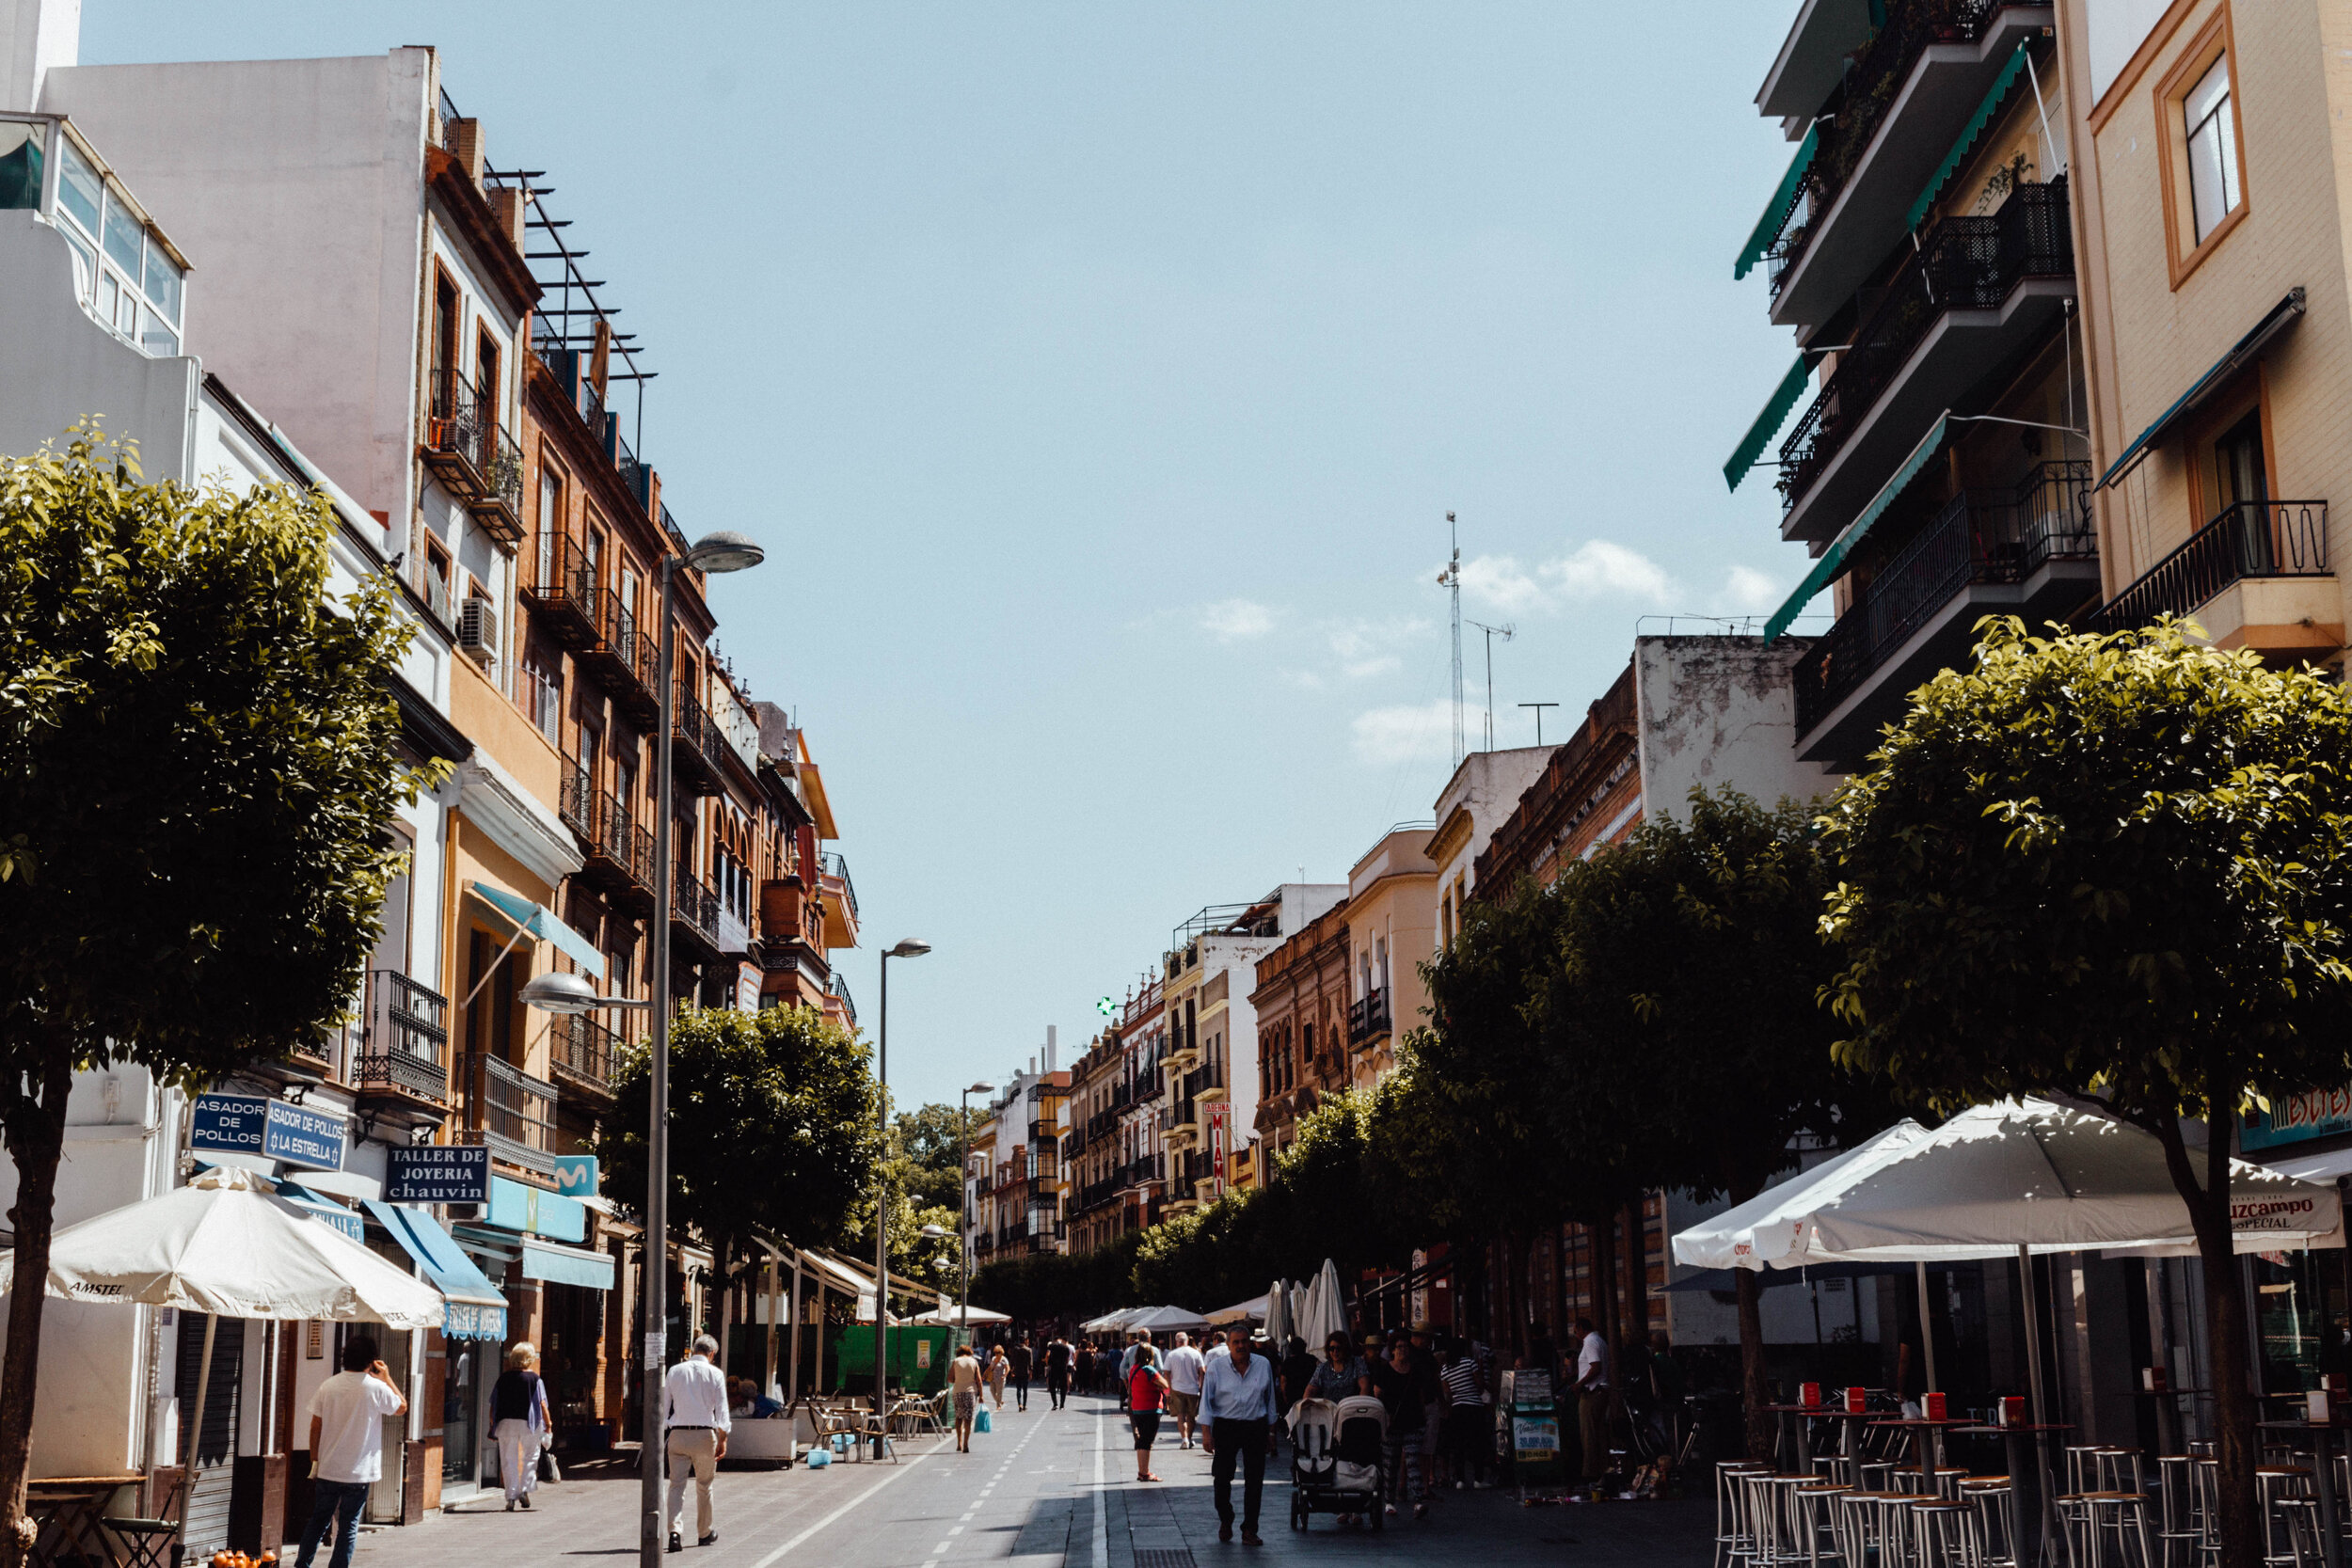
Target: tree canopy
(2114, 868)
(199, 766)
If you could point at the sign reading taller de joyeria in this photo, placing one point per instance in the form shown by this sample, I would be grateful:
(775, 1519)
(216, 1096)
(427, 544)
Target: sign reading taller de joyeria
(272, 1128)
(438, 1173)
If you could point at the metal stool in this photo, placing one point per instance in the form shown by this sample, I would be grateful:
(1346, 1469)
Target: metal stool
(1941, 1533)
(2123, 1516)
(2178, 1528)
(1995, 1502)
(1766, 1518)
(2276, 1487)
(1734, 1537)
(2117, 1469)
(1812, 1518)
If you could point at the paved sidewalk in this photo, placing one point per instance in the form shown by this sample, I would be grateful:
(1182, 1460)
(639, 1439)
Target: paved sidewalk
(1045, 1490)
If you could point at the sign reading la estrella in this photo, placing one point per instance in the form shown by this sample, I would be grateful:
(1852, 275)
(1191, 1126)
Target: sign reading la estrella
(273, 1129)
(438, 1173)
(2294, 1117)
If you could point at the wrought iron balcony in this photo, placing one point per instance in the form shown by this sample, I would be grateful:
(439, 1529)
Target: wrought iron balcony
(695, 747)
(2250, 540)
(561, 588)
(841, 992)
(1368, 1018)
(694, 916)
(581, 1051)
(839, 869)
(510, 1111)
(473, 454)
(1978, 539)
(1962, 278)
(401, 1052)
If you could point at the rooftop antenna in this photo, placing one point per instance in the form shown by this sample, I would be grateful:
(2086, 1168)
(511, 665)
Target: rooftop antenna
(1506, 633)
(1539, 718)
(1450, 579)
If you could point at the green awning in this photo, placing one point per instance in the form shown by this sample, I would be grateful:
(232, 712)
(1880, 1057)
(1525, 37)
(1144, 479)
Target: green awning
(1768, 423)
(1960, 149)
(1825, 570)
(2281, 316)
(1777, 210)
(539, 921)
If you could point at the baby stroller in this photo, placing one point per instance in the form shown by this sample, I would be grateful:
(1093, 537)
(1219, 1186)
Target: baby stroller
(1335, 1458)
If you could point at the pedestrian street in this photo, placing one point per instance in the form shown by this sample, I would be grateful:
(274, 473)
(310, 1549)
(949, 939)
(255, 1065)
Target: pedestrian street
(1045, 1489)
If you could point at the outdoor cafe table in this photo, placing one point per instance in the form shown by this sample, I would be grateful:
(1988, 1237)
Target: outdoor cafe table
(1930, 1446)
(2321, 1438)
(66, 1511)
(2027, 1473)
(1794, 1415)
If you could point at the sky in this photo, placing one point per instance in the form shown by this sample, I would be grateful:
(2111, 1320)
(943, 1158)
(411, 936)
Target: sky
(1099, 378)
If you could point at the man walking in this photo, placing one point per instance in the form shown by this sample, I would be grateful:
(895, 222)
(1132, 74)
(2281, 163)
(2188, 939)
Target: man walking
(347, 1447)
(694, 1437)
(1238, 1402)
(1184, 1367)
(1592, 1399)
(1022, 1361)
(1059, 1358)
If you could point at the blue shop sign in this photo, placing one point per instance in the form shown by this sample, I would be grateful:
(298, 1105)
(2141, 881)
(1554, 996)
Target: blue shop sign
(438, 1173)
(305, 1136)
(575, 1174)
(2297, 1117)
(230, 1121)
(535, 1211)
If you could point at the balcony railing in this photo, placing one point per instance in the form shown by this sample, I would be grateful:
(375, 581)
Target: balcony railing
(1209, 1075)
(1873, 83)
(696, 745)
(1367, 1016)
(509, 1111)
(840, 988)
(1977, 537)
(582, 1048)
(620, 853)
(694, 904)
(562, 588)
(836, 867)
(407, 1033)
(1966, 263)
(471, 453)
(2252, 539)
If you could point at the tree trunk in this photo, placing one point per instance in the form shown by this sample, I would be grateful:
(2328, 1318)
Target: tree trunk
(36, 1140)
(1752, 1400)
(1604, 1275)
(1636, 1328)
(2235, 1448)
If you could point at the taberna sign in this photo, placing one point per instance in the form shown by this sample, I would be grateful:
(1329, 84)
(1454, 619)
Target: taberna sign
(305, 1136)
(438, 1173)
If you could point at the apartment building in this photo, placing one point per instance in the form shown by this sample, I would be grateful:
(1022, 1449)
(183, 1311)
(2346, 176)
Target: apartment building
(1589, 793)
(1019, 1188)
(1092, 1168)
(1392, 931)
(1921, 248)
(1142, 1191)
(1301, 997)
(1485, 790)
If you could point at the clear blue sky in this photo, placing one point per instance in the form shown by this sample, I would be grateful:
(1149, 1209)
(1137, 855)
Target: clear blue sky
(1099, 378)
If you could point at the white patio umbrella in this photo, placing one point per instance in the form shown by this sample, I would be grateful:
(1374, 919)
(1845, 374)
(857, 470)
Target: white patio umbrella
(1109, 1323)
(1165, 1319)
(227, 1246)
(1252, 1310)
(1763, 1231)
(954, 1314)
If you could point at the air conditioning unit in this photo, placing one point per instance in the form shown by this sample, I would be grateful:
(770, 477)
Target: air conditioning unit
(478, 631)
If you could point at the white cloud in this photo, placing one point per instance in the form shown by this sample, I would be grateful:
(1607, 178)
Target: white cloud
(1236, 620)
(1598, 568)
(1748, 589)
(1422, 732)
(1364, 648)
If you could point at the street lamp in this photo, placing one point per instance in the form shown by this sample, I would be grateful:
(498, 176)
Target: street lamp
(565, 994)
(722, 551)
(910, 948)
(963, 1208)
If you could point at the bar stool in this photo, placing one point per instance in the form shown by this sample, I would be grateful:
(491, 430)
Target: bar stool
(1941, 1533)
(1858, 1519)
(2117, 1469)
(2206, 1471)
(1734, 1537)
(2123, 1516)
(2276, 1487)
(1765, 1518)
(2178, 1521)
(1996, 1500)
(2299, 1516)
(1812, 1518)
(1947, 1479)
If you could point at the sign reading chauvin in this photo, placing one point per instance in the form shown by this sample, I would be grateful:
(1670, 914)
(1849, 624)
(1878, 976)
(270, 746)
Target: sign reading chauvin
(2294, 1117)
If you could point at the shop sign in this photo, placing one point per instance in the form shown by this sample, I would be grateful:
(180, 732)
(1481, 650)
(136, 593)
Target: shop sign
(233, 1122)
(305, 1136)
(2294, 1117)
(575, 1174)
(438, 1173)
(466, 1319)
(1534, 1439)
(536, 1211)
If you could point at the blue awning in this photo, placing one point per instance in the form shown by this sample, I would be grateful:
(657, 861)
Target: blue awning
(1777, 211)
(1834, 559)
(1768, 423)
(1977, 122)
(332, 1213)
(567, 1265)
(541, 921)
(2281, 316)
(476, 1310)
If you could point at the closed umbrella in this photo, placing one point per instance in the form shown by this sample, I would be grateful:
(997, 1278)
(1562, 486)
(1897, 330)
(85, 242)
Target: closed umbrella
(1327, 1308)
(227, 1246)
(1278, 1315)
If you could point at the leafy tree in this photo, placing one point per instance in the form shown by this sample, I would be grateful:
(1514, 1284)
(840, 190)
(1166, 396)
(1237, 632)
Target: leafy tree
(927, 1155)
(2114, 868)
(776, 1109)
(198, 768)
(1688, 1045)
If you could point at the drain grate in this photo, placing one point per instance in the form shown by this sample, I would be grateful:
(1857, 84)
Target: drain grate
(1164, 1559)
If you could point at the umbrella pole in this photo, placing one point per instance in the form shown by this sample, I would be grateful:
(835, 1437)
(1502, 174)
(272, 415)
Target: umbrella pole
(1927, 1326)
(2050, 1532)
(196, 1432)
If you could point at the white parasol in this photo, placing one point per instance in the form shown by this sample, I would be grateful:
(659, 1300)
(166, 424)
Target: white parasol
(1765, 1230)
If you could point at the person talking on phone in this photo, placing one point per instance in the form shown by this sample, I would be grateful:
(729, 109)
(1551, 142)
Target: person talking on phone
(347, 1447)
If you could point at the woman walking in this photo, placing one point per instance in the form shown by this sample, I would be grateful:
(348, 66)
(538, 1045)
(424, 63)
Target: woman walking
(519, 1422)
(1147, 1391)
(1400, 1392)
(1000, 1368)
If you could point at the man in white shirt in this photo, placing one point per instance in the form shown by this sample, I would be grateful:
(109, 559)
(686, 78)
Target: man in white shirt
(1184, 1367)
(1592, 1399)
(694, 1435)
(1238, 1397)
(347, 1447)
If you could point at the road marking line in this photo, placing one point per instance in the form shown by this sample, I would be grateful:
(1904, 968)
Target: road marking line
(1102, 1521)
(908, 1468)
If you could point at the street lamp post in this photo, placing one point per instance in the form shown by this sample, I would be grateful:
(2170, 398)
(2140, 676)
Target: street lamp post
(718, 552)
(963, 1209)
(910, 948)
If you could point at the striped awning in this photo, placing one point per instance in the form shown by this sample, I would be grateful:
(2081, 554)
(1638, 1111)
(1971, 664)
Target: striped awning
(1777, 210)
(1834, 559)
(1768, 423)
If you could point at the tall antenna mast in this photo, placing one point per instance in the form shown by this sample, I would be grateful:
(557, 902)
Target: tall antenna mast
(1506, 633)
(1450, 579)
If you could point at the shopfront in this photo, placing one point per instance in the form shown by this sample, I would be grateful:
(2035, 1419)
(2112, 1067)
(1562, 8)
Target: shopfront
(2302, 1301)
(560, 1287)
(465, 1350)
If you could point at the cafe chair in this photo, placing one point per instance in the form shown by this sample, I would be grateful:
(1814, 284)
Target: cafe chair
(149, 1543)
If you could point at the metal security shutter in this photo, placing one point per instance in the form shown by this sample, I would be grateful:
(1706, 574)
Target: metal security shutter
(207, 1499)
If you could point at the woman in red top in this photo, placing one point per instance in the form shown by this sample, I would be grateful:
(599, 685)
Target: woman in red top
(1147, 1391)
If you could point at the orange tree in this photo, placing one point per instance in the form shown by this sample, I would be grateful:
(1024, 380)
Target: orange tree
(198, 767)
(2116, 867)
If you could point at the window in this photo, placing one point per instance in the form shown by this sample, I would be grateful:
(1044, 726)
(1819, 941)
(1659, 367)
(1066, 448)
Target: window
(2213, 177)
(540, 689)
(132, 285)
(19, 164)
(550, 524)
